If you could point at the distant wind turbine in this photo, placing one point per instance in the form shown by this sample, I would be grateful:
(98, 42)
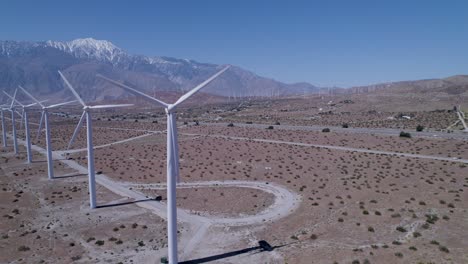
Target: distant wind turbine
(172, 156)
(12, 109)
(45, 118)
(4, 138)
(24, 116)
(89, 129)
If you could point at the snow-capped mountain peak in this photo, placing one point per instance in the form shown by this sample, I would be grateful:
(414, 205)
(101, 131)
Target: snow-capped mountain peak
(89, 48)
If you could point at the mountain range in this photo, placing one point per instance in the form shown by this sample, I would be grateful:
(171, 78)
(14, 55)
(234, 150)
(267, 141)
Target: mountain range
(35, 64)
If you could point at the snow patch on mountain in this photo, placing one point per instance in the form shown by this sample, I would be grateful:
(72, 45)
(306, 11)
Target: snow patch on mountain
(102, 50)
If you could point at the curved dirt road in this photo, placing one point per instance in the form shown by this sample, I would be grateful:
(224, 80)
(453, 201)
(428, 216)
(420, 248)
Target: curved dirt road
(285, 202)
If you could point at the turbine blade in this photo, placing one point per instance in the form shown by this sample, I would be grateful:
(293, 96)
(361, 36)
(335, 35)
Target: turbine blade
(71, 89)
(32, 97)
(109, 106)
(29, 105)
(200, 86)
(57, 105)
(22, 119)
(134, 91)
(13, 99)
(40, 126)
(10, 106)
(75, 133)
(175, 147)
(18, 113)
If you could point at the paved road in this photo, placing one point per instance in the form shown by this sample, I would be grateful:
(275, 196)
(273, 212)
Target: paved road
(379, 152)
(380, 131)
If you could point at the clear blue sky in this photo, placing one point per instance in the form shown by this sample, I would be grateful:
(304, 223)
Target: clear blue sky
(341, 43)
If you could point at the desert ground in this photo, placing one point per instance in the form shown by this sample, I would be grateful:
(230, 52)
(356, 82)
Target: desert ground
(249, 171)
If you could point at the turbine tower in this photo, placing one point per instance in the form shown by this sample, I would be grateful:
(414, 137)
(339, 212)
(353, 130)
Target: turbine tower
(45, 117)
(13, 121)
(4, 137)
(24, 116)
(89, 135)
(172, 156)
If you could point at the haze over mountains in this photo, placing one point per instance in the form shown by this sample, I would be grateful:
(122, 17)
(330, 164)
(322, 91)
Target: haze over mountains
(35, 65)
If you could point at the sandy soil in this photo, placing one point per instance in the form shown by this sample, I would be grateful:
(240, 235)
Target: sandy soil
(220, 201)
(352, 206)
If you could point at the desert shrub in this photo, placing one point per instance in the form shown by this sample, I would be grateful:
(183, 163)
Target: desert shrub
(269, 127)
(416, 234)
(413, 248)
(405, 134)
(230, 125)
(249, 122)
(277, 123)
(370, 229)
(344, 125)
(326, 130)
(444, 249)
(431, 218)
(100, 242)
(401, 229)
(23, 248)
(313, 236)
(399, 254)
(419, 128)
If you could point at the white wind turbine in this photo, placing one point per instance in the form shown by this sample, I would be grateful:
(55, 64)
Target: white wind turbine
(26, 126)
(89, 135)
(4, 138)
(172, 156)
(13, 121)
(45, 118)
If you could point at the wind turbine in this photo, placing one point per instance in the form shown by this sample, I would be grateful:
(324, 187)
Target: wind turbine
(4, 137)
(26, 126)
(172, 156)
(13, 121)
(89, 134)
(45, 117)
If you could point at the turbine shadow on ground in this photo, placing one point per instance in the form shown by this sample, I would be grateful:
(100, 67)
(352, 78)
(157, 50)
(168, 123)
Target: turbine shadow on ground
(263, 246)
(39, 161)
(127, 203)
(70, 176)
